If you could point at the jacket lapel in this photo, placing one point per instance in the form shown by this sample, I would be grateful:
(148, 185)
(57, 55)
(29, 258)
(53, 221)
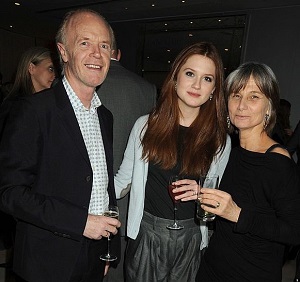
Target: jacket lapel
(69, 120)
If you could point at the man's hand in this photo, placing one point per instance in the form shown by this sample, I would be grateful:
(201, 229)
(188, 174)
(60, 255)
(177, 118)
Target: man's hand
(98, 226)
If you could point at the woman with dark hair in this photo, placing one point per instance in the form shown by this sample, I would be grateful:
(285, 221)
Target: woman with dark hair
(185, 134)
(258, 203)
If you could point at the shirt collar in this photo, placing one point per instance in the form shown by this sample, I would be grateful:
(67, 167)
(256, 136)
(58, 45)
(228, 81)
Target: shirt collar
(75, 101)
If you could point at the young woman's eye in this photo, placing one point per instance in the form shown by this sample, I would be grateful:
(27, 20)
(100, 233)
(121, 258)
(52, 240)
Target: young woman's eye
(51, 69)
(189, 73)
(208, 79)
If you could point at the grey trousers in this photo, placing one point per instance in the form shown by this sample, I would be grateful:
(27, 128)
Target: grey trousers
(162, 255)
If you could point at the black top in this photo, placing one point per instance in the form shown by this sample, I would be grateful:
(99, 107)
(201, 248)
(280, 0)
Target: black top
(157, 199)
(267, 188)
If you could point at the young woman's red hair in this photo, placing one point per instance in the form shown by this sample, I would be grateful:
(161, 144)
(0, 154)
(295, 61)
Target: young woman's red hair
(207, 133)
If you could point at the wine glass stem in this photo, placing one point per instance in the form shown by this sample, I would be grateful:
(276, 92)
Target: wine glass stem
(175, 213)
(108, 240)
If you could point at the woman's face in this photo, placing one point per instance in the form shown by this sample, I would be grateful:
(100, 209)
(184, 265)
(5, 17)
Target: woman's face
(42, 74)
(248, 108)
(195, 82)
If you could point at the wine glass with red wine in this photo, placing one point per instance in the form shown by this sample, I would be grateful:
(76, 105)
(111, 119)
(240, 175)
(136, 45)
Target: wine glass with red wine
(175, 225)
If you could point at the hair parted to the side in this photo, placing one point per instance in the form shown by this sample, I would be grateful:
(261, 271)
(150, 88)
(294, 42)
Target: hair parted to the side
(61, 35)
(265, 80)
(206, 135)
(23, 85)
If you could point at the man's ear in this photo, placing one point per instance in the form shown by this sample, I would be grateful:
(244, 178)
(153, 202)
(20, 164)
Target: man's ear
(119, 55)
(63, 52)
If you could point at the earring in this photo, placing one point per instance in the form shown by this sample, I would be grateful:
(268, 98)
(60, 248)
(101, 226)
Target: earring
(266, 121)
(228, 122)
(175, 86)
(210, 97)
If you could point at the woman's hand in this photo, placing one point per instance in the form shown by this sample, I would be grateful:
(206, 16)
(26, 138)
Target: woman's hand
(188, 189)
(222, 201)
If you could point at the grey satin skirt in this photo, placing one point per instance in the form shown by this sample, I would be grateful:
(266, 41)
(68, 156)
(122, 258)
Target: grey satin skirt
(160, 254)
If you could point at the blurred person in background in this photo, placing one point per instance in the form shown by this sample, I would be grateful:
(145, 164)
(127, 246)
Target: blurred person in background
(293, 145)
(282, 130)
(128, 96)
(35, 72)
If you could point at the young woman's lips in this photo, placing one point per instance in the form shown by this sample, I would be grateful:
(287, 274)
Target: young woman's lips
(193, 94)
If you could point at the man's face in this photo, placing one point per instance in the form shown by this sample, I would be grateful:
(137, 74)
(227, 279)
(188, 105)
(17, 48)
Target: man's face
(86, 52)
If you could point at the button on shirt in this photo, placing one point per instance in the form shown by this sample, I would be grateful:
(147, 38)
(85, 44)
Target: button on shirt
(90, 129)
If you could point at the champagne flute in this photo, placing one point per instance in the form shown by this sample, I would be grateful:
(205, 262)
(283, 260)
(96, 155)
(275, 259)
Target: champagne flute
(175, 225)
(110, 211)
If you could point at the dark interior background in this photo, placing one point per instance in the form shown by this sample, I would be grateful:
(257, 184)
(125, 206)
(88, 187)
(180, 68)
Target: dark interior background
(151, 36)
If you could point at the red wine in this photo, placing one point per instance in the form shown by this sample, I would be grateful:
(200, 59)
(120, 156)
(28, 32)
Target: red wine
(171, 187)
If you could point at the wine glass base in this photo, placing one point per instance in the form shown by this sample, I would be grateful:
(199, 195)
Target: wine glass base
(175, 227)
(208, 219)
(108, 258)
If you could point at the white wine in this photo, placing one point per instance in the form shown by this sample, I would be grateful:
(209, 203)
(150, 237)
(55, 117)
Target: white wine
(112, 214)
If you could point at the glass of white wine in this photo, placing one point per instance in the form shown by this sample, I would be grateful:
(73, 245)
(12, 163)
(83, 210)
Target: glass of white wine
(207, 182)
(110, 211)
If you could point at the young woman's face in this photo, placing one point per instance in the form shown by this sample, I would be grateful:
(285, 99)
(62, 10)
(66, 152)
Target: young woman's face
(195, 82)
(248, 108)
(42, 74)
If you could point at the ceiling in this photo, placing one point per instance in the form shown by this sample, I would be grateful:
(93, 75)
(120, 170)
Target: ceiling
(40, 18)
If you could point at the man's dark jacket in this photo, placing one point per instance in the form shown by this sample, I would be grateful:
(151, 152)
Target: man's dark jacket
(46, 181)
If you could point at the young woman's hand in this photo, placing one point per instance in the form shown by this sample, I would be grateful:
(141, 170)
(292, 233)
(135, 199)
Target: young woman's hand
(187, 189)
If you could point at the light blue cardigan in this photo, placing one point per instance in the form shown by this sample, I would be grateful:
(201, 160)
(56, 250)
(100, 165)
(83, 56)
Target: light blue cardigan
(133, 172)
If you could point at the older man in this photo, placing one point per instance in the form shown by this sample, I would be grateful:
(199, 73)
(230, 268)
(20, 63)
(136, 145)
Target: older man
(56, 171)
